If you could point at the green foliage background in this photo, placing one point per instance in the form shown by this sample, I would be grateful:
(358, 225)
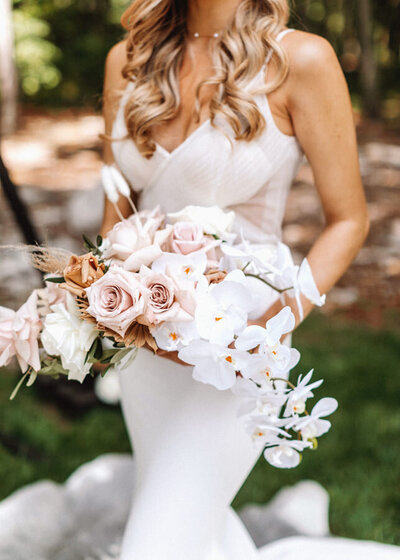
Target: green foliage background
(61, 45)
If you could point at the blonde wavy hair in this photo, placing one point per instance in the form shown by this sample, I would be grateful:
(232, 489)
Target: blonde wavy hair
(155, 49)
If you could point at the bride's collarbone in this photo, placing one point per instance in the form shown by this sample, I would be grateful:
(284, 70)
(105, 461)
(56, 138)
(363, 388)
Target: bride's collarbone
(175, 132)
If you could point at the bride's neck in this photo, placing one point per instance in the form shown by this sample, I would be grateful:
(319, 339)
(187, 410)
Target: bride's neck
(209, 16)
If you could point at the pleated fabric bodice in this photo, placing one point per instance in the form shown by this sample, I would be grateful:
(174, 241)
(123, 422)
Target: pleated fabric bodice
(252, 178)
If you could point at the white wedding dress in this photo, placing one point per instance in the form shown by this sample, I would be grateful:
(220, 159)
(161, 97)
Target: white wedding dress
(192, 454)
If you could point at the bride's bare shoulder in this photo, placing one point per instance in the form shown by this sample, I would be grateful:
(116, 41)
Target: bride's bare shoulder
(115, 61)
(307, 49)
(309, 54)
(113, 88)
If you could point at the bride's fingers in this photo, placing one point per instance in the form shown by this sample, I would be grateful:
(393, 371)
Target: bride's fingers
(173, 356)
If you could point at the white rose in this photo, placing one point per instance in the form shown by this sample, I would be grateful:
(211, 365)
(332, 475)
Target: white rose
(212, 219)
(66, 335)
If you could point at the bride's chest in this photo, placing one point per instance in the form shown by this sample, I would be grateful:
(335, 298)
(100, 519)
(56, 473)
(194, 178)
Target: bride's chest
(208, 167)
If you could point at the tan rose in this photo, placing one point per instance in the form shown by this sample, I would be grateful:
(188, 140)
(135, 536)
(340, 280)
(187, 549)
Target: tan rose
(215, 276)
(81, 272)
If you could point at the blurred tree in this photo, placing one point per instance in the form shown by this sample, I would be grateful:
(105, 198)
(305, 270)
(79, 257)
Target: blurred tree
(368, 71)
(61, 46)
(8, 75)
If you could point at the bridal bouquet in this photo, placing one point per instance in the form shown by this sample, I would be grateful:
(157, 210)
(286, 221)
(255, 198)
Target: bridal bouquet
(177, 282)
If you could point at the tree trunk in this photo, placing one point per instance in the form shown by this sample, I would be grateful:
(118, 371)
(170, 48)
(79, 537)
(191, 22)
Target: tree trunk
(369, 74)
(8, 74)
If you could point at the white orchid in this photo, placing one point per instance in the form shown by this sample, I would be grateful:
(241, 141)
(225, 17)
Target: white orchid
(312, 426)
(284, 454)
(174, 335)
(255, 258)
(187, 270)
(265, 428)
(274, 356)
(258, 398)
(267, 338)
(296, 280)
(296, 403)
(214, 364)
(265, 366)
(222, 310)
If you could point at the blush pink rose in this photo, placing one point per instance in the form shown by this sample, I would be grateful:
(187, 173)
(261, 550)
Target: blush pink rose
(7, 346)
(164, 301)
(116, 299)
(54, 294)
(19, 332)
(136, 241)
(124, 239)
(27, 327)
(186, 238)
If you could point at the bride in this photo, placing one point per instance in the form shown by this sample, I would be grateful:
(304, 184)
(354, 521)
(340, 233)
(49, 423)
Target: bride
(219, 103)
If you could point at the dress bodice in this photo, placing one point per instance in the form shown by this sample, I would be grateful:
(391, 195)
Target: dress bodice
(252, 178)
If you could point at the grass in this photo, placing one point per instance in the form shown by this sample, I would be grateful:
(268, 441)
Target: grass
(358, 462)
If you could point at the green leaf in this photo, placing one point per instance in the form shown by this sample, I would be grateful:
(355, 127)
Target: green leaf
(99, 240)
(95, 353)
(18, 386)
(52, 367)
(108, 354)
(88, 243)
(120, 355)
(59, 280)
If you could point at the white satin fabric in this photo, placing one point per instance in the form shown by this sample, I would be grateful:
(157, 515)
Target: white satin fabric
(192, 454)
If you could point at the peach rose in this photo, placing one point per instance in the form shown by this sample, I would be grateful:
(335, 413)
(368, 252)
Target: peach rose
(116, 299)
(81, 272)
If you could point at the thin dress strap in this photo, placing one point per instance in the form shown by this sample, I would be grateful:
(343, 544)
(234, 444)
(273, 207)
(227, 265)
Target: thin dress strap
(278, 38)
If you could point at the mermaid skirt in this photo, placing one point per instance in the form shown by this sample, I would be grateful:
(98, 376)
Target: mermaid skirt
(192, 456)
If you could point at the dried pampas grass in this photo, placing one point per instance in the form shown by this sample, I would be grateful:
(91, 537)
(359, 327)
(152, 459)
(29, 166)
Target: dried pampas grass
(51, 260)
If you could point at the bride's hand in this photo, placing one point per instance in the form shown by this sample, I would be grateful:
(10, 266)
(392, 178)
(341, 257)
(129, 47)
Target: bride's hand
(173, 356)
(271, 312)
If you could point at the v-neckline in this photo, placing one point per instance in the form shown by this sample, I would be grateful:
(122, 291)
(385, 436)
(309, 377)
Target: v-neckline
(186, 141)
(169, 154)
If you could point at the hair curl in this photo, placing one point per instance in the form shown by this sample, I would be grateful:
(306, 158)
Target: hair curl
(155, 49)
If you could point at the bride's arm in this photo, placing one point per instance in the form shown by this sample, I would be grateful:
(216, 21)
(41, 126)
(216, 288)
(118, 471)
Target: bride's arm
(113, 81)
(318, 102)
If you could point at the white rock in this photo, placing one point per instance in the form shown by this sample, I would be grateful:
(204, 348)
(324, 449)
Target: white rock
(298, 510)
(85, 518)
(33, 521)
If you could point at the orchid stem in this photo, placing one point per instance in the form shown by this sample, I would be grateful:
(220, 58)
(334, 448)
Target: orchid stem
(279, 290)
(284, 380)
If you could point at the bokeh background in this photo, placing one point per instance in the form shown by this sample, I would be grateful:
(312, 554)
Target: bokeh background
(52, 56)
